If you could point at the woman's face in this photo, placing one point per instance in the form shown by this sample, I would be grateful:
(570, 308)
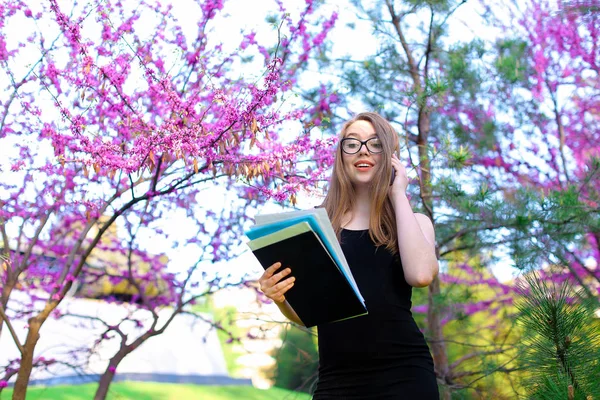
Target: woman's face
(361, 166)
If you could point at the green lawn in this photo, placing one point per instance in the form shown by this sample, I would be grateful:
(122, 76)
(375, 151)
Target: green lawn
(158, 391)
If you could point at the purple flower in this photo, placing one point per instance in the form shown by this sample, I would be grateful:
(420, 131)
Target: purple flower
(3, 52)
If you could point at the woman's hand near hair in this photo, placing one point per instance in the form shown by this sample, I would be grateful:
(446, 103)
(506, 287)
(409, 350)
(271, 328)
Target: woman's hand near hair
(400, 183)
(274, 288)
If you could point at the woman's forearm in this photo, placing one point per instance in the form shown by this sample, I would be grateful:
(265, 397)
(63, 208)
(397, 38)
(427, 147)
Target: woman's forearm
(417, 252)
(289, 312)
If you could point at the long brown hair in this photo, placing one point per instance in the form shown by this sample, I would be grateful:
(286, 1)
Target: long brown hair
(340, 196)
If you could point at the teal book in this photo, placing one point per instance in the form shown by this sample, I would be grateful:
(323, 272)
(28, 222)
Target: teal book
(322, 292)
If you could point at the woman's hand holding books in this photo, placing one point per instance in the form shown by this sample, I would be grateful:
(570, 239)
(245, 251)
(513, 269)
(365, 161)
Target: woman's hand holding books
(271, 283)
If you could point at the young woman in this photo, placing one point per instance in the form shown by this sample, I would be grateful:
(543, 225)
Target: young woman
(390, 249)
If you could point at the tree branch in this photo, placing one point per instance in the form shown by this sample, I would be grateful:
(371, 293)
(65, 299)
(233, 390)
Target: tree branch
(466, 231)
(561, 131)
(5, 257)
(470, 356)
(12, 331)
(33, 242)
(414, 69)
(430, 40)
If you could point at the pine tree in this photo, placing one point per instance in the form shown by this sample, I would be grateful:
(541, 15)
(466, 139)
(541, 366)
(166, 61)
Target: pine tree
(561, 340)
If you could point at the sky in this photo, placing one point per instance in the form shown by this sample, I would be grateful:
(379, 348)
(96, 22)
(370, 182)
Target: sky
(244, 15)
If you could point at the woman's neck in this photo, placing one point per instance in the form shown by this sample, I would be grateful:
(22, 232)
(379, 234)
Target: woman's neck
(361, 211)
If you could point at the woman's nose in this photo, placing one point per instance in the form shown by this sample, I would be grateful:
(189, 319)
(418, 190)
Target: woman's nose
(363, 149)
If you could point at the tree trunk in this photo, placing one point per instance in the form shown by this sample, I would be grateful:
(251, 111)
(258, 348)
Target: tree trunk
(109, 374)
(33, 335)
(434, 325)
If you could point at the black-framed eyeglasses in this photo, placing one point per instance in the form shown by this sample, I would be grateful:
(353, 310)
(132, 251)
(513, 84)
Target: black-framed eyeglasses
(353, 146)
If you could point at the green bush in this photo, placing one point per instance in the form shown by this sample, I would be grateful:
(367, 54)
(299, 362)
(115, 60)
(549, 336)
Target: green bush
(297, 360)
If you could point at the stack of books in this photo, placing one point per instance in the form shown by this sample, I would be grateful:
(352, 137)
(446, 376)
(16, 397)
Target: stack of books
(304, 241)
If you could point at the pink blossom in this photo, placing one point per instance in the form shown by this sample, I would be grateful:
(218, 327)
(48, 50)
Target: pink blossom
(17, 166)
(421, 309)
(4, 54)
(249, 39)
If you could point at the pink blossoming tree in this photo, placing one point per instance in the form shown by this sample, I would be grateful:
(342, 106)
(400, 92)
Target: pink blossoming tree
(117, 117)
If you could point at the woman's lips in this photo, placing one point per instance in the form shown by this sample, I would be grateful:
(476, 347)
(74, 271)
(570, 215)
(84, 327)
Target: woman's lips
(363, 165)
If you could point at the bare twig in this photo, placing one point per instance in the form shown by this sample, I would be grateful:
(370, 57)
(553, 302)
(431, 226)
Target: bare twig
(12, 331)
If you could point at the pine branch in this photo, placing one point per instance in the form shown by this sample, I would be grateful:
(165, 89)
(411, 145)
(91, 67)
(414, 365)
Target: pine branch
(561, 343)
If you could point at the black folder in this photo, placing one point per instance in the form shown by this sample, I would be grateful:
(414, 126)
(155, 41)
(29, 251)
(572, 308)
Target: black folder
(321, 293)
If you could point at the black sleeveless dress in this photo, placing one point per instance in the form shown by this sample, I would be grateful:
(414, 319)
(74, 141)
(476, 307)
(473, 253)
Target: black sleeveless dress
(382, 355)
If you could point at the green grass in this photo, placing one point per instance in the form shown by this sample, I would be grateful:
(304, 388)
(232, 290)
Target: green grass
(158, 391)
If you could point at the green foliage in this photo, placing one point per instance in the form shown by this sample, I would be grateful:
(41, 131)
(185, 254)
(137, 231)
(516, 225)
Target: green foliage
(531, 226)
(203, 305)
(272, 19)
(373, 78)
(434, 90)
(296, 361)
(459, 158)
(471, 102)
(157, 391)
(488, 140)
(466, 73)
(511, 60)
(436, 5)
(229, 334)
(227, 337)
(484, 340)
(479, 216)
(545, 223)
(462, 62)
(581, 11)
(561, 342)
